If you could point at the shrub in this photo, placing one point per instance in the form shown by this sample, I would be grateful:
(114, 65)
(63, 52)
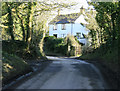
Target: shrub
(55, 45)
(60, 45)
(20, 49)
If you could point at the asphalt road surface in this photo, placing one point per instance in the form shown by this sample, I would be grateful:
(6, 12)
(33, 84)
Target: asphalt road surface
(66, 73)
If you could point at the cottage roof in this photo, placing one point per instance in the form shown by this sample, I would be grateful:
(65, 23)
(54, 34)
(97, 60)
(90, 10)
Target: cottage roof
(62, 19)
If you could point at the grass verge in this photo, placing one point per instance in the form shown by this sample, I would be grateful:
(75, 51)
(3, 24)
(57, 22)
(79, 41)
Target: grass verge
(13, 67)
(107, 62)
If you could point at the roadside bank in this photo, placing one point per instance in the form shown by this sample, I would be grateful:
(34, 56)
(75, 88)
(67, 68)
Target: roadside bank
(111, 77)
(36, 67)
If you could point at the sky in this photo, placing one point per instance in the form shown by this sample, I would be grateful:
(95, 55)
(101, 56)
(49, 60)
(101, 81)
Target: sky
(73, 9)
(76, 8)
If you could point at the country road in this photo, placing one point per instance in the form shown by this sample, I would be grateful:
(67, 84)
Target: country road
(66, 73)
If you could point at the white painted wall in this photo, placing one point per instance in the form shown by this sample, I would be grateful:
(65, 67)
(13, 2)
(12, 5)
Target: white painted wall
(81, 19)
(70, 29)
(59, 30)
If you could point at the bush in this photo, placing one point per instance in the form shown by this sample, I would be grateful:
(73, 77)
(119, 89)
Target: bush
(60, 46)
(107, 53)
(20, 49)
(14, 47)
(55, 45)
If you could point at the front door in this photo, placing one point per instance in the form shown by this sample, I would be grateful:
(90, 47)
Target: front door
(55, 35)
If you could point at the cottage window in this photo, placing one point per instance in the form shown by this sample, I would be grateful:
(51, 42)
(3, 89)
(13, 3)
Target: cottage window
(78, 35)
(55, 27)
(62, 35)
(63, 27)
(83, 35)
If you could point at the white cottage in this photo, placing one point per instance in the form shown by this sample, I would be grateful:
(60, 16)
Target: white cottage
(62, 25)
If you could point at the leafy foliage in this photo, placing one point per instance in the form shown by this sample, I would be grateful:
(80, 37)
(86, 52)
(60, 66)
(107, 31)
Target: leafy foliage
(55, 45)
(61, 46)
(24, 28)
(104, 32)
(103, 23)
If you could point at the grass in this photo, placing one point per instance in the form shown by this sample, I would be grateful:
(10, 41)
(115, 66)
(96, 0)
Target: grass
(13, 55)
(13, 66)
(108, 57)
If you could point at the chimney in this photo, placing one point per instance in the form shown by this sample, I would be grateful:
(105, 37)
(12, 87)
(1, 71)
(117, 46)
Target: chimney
(58, 11)
(82, 10)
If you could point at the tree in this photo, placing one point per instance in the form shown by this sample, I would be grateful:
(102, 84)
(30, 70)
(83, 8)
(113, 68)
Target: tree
(104, 24)
(21, 18)
(9, 19)
(26, 21)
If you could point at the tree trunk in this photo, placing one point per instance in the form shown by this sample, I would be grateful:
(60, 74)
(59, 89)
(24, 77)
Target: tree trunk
(29, 23)
(21, 24)
(113, 24)
(10, 22)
